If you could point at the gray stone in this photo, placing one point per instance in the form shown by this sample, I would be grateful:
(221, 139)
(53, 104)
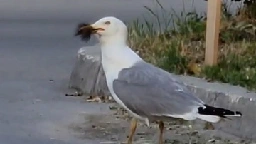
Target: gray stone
(88, 76)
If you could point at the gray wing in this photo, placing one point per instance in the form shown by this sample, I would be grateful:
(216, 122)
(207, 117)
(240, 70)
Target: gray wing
(148, 90)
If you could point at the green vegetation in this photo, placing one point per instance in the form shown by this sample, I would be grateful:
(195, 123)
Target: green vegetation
(179, 45)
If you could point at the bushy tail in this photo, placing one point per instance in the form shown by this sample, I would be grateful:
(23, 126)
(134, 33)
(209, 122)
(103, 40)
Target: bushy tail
(213, 114)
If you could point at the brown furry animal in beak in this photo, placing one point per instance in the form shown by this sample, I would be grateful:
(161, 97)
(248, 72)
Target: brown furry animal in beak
(84, 31)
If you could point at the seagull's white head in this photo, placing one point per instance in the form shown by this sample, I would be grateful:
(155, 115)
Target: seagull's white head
(109, 30)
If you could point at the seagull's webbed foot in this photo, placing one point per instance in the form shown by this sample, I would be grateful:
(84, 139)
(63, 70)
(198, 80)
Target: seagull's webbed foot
(161, 128)
(133, 128)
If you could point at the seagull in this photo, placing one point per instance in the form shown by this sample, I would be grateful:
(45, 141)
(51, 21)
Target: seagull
(147, 92)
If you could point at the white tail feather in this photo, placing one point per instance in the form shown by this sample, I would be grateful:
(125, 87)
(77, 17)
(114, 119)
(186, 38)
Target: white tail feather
(209, 118)
(237, 115)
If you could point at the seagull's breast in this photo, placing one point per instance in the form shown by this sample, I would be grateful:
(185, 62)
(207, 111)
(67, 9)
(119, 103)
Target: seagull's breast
(113, 63)
(112, 68)
(115, 60)
(111, 73)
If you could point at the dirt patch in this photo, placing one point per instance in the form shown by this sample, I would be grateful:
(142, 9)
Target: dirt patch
(113, 129)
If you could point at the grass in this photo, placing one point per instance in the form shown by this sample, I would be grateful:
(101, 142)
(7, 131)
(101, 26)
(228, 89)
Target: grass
(177, 44)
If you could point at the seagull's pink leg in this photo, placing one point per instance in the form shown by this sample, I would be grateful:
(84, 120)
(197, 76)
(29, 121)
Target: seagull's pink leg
(161, 128)
(132, 130)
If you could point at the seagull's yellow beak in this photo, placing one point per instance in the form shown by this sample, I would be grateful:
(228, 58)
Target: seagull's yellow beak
(97, 28)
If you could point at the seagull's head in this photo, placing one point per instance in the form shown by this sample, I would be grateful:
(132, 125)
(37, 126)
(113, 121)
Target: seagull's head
(108, 30)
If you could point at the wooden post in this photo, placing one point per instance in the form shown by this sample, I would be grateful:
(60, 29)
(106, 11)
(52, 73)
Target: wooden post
(212, 32)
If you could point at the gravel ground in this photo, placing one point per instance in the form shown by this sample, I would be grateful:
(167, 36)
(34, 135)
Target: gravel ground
(113, 129)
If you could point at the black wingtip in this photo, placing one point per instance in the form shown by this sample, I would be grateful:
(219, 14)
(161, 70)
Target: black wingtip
(238, 113)
(210, 110)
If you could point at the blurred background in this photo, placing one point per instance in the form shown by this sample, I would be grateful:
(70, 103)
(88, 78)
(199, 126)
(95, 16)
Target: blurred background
(38, 51)
(37, 36)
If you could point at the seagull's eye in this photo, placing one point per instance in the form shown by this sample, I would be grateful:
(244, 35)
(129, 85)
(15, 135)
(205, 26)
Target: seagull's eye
(107, 22)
